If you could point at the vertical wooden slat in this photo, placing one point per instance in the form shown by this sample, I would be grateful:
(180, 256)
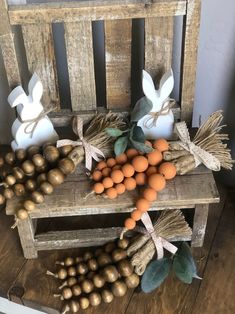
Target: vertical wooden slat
(38, 42)
(192, 23)
(8, 47)
(118, 63)
(79, 47)
(158, 45)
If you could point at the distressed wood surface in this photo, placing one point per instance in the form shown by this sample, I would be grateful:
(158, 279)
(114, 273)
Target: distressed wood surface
(199, 224)
(94, 10)
(80, 59)
(192, 23)
(158, 45)
(70, 198)
(26, 233)
(38, 42)
(118, 63)
(8, 48)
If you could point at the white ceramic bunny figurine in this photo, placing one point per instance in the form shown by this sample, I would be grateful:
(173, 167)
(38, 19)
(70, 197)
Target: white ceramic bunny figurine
(29, 108)
(162, 125)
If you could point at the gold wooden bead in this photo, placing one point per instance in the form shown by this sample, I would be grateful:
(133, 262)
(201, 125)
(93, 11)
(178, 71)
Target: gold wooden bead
(38, 160)
(47, 144)
(92, 264)
(95, 299)
(65, 150)
(74, 306)
(8, 193)
(62, 274)
(2, 199)
(78, 259)
(28, 167)
(10, 180)
(66, 165)
(84, 303)
(51, 153)
(18, 173)
(125, 268)
(21, 154)
(104, 259)
(67, 293)
(76, 289)
(37, 197)
(55, 177)
(1, 162)
(33, 150)
(19, 189)
(110, 273)
(42, 168)
(71, 281)
(98, 281)
(72, 271)
(132, 281)
(30, 185)
(82, 269)
(29, 205)
(10, 158)
(87, 286)
(46, 188)
(42, 177)
(107, 296)
(69, 261)
(119, 288)
(109, 247)
(22, 214)
(123, 243)
(87, 255)
(118, 255)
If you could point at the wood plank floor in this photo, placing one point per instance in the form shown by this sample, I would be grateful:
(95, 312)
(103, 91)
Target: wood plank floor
(25, 282)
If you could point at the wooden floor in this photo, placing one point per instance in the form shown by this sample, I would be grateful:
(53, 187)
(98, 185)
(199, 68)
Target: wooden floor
(25, 282)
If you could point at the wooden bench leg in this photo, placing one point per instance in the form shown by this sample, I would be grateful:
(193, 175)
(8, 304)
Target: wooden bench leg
(26, 233)
(199, 225)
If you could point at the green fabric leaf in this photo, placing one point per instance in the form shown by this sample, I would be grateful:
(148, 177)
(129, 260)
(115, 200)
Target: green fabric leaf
(137, 134)
(120, 145)
(155, 274)
(141, 147)
(113, 132)
(142, 107)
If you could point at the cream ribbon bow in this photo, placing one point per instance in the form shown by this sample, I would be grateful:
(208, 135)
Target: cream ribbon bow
(91, 152)
(159, 242)
(199, 154)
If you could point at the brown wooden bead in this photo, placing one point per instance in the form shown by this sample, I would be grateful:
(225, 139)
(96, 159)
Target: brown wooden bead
(95, 299)
(82, 269)
(69, 261)
(104, 259)
(98, 281)
(87, 286)
(66, 165)
(22, 214)
(38, 160)
(119, 288)
(33, 150)
(76, 289)
(29, 205)
(72, 271)
(2, 199)
(109, 247)
(123, 243)
(28, 167)
(78, 259)
(10, 158)
(62, 274)
(37, 197)
(67, 293)
(87, 255)
(107, 296)
(46, 188)
(1, 162)
(18, 173)
(10, 180)
(21, 154)
(19, 189)
(71, 281)
(30, 185)
(47, 144)
(92, 264)
(42, 177)
(74, 306)
(132, 281)
(42, 168)
(8, 193)
(118, 255)
(125, 268)
(65, 150)
(55, 177)
(110, 273)
(51, 153)
(84, 303)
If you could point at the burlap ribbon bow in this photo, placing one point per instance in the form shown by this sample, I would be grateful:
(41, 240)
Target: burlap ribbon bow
(199, 154)
(159, 242)
(91, 152)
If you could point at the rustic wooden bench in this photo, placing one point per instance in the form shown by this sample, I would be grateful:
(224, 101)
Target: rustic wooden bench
(129, 28)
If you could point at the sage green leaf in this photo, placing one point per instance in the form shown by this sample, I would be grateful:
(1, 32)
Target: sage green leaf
(137, 134)
(113, 132)
(155, 273)
(142, 107)
(141, 147)
(120, 145)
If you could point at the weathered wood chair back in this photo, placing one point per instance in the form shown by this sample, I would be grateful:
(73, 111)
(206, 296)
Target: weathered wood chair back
(35, 31)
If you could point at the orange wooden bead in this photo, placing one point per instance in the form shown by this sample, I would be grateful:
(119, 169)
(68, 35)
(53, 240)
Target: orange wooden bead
(98, 188)
(111, 162)
(151, 170)
(131, 153)
(161, 144)
(154, 158)
(140, 163)
(142, 204)
(168, 169)
(120, 188)
(130, 223)
(128, 170)
(136, 214)
(107, 182)
(97, 175)
(157, 182)
(106, 171)
(117, 176)
(101, 165)
(111, 193)
(150, 194)
(129, 183)
(140, 178)
(121, 159)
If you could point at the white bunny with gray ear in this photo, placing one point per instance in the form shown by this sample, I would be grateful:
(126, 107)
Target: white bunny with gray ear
(154, 125)
(29, 107)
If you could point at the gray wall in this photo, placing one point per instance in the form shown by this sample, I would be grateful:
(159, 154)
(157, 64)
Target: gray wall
(215, 71)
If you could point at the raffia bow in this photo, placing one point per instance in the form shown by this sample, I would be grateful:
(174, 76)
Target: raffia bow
(199, 154)
(159, 242)
(91, 152)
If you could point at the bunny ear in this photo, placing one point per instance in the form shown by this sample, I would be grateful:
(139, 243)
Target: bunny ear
(166, 84)
(35, 88)
(148, 86)
(17, 97)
